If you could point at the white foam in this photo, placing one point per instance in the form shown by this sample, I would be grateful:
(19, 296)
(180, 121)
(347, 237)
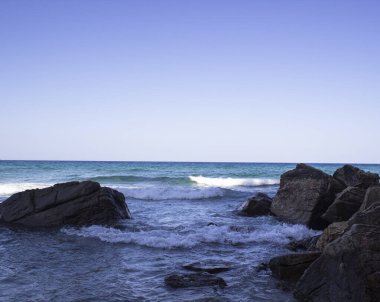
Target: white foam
(7, 189)
(168, 193)
(233, 182)
(280, 234)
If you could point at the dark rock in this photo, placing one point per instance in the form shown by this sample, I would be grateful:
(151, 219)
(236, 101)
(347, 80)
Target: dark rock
(209, 266)
(72, 203)
(346, 204)
(332, 232)
(348, 269)
(371, 196)
(256, 206)
(307, 244)
(352, 176)
(194, 280)
(305, 194)
(262, 267)
(291, 267)
(370, 216)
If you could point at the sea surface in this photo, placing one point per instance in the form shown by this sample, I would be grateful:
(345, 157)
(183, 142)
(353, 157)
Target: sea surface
(182, 212)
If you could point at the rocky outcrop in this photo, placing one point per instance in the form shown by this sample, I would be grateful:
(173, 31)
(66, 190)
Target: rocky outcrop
(291, 267)
(370, 215)
(210, 266)
(332, 232)
(194, 280)
(256, 206)
(348, 269)
(352, 176)
(372, 196)
(345, 205)
(72, 203)
(304, 195)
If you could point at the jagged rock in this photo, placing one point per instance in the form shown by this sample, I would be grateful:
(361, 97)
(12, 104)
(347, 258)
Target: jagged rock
(291, 267)
(194, 280)
(370, 215)
(71, 203)
(371, 196)
(347, 270)
(305, 194)
(210, 266)
(256, 206)
(332, 232)
(345, 204)
(352, 176)
(307, 244)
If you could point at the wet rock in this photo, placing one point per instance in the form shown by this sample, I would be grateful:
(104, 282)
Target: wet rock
(194, 280)
(291, 267)
(332, 232)
(304, 195)
(209, 266)
(72, 203)
(345, 204)
(352, 176)
(262, 267)
(372, 196)
(256, 206)
(307, 244)
(347, 270)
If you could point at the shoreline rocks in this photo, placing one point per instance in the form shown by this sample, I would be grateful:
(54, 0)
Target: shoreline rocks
(258, 205)
(71, 203)
(194, 280)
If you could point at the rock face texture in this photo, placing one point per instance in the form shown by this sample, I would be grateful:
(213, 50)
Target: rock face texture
(345, 204)
(370, 215)
(72, 203)
(348, 269)
(194, 280)
(256, 206)
(372, 196)
(305, 194)
(352, 176)
(332, 232)
(291, 267)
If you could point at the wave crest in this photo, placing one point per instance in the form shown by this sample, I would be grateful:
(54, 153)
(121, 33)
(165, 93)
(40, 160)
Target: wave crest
(7, 189)
(233, 182)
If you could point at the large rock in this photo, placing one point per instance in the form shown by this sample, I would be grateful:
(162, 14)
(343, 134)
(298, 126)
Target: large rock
(72, 203)
(194, 280)
(352, 176)
(348, 269)
(256, 206)
(291, 267)
(345, 204)
(305, 194)
(332, 232)
(372, 196)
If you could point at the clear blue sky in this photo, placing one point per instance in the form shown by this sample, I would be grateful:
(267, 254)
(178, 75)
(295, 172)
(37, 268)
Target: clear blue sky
(269, 80)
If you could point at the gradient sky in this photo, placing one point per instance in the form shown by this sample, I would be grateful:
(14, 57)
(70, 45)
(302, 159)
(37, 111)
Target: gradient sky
(269, 80)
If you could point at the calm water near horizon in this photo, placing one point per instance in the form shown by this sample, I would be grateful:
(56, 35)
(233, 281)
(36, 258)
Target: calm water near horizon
(182, 212)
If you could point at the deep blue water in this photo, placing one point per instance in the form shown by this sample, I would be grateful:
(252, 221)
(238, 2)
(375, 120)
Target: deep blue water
(172, 205)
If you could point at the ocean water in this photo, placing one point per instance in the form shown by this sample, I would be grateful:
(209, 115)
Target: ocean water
(182, 212)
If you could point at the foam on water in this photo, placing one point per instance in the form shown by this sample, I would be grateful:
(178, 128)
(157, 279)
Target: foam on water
(7, 189)
(171, 192)
(279, 234)
(232, 182)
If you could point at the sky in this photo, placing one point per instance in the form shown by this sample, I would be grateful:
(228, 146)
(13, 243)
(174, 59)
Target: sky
(198, 80)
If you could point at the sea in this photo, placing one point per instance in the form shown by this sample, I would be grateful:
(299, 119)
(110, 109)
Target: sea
(182, 212)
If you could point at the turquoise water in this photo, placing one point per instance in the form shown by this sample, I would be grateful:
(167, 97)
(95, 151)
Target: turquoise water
(181, 212)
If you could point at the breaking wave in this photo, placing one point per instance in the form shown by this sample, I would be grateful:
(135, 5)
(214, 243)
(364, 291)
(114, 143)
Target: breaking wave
(7, 189)
(233, 182)
(278, 234)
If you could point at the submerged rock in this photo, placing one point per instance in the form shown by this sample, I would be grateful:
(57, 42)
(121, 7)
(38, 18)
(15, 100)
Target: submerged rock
(352, 176)
(71, 203)
(291, 267)
(194, 280)
(256, 206)
(345, 204)
(304, 195)
(209, 266)
(348, 269)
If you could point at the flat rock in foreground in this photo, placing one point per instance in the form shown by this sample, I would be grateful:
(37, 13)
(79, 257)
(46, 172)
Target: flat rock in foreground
(71, 203)
(194, 280)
